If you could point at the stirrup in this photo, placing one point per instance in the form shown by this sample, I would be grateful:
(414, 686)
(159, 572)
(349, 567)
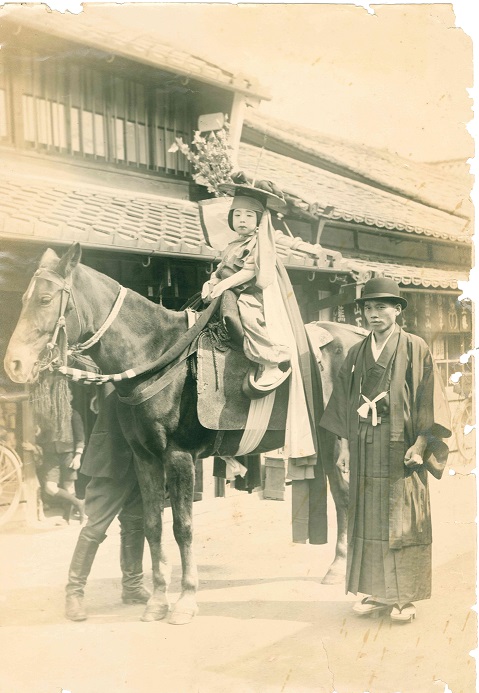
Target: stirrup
(252, 390)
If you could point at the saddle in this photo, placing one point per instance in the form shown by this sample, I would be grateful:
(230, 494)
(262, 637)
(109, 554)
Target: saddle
(222, 404)
(231, 322)
(221, 368)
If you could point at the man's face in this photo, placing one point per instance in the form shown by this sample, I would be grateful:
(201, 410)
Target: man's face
(381, 315)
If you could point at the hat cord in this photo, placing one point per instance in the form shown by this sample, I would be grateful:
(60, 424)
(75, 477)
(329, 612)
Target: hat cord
(265, 137)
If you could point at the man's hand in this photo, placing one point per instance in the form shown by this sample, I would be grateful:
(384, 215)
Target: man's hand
(75, 464)
(413, 459)
(343, 458)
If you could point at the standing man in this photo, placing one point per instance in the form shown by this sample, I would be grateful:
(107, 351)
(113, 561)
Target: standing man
(112, 490)
(390, 411)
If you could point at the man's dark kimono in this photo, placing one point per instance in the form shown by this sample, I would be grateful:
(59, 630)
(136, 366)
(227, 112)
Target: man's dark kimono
(389, 520)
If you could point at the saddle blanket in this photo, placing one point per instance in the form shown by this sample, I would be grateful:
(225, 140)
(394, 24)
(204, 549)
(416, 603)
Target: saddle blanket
(222, 406)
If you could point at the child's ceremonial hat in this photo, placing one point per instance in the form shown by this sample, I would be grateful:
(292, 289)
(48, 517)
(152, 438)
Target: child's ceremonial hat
(263, 191)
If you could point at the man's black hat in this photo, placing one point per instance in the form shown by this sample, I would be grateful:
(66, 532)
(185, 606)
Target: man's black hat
(381, 287)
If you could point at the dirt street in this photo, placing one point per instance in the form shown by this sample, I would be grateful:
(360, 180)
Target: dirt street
(266, 623)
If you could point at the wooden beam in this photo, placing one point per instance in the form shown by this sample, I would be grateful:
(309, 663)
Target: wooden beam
(238, 110)
(344, 297)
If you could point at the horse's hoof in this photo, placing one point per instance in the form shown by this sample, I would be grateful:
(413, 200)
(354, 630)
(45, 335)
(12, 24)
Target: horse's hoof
(182, 617)
(155, 613)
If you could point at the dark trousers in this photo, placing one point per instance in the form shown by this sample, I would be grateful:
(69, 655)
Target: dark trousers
(106, 498)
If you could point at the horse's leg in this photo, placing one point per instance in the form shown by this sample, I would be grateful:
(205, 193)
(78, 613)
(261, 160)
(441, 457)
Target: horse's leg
(340, 492)
(180, 477)
(151, 479)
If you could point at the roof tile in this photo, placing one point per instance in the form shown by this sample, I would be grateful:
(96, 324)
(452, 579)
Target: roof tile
(410, 276)
(114, 38)
(352, 200)
(164, 225)
(423, 182)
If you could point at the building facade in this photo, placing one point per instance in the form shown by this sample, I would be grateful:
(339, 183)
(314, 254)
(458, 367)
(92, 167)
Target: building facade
(88, 114)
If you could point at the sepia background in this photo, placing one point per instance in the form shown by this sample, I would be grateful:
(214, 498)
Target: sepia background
(361, 120)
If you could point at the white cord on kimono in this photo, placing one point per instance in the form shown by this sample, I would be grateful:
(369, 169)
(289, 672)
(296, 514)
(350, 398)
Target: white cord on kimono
(370, 406)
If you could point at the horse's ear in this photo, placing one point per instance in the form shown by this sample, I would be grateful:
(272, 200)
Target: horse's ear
(49, 259)
(318, 335)
(69, 260)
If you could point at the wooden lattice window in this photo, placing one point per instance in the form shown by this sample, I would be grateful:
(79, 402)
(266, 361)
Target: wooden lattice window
(88, 112)
(5, 122)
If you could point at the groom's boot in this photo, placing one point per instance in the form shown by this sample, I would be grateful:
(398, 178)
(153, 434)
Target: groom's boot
(80, 567)
(131, 563)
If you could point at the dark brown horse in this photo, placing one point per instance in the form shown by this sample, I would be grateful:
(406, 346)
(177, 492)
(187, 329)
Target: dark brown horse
(166, 439)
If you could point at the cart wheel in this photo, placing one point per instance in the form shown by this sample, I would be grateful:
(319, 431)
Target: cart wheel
(10, 483)
(465, 442)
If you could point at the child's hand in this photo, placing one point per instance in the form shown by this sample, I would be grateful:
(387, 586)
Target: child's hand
(217, 291)
(205, 292)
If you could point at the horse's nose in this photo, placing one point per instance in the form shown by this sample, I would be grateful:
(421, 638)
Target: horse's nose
(14, 370)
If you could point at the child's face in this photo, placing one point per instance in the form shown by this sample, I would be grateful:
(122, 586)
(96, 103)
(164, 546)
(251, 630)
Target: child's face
(244, 221)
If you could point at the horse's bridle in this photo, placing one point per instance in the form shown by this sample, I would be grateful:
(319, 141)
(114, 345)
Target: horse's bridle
(58, 362)
(52, 361)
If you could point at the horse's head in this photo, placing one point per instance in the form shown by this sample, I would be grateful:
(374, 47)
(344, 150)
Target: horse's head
(46, 299)
(331, 342)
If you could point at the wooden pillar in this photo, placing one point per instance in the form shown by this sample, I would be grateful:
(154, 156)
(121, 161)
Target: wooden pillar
(274, 476)
(236, 125)
(326, 313)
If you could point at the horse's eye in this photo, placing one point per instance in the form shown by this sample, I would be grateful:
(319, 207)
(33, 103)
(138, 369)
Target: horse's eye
(45, 300)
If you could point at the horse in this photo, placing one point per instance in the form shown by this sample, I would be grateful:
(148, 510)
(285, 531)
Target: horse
(166, 438)
(331, 342)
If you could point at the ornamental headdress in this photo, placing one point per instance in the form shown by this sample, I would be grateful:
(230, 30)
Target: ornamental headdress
(262, 197)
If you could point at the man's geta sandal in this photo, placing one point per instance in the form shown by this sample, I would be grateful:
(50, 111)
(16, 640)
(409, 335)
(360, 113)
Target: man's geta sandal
(404, 614)
(369, 607)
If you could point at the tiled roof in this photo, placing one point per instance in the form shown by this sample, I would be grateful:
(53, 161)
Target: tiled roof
(352, 200)
(51, 211)
(111, 37)
(432, 185)
(46, 211)
(408, 275)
